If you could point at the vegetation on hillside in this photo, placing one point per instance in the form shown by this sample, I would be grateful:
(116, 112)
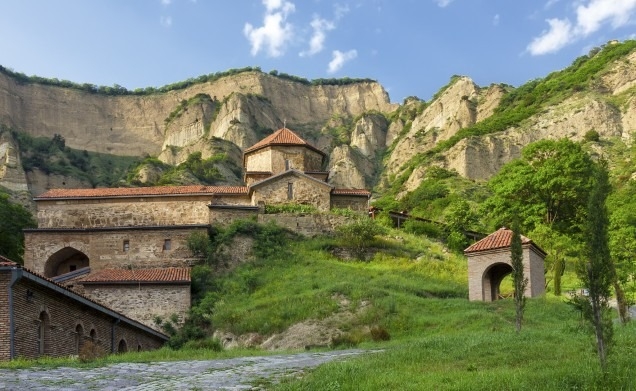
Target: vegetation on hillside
(53, 156)
(116, 89)
(13, 218)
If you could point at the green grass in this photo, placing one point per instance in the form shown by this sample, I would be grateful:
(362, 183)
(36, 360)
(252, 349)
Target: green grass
(478, 349)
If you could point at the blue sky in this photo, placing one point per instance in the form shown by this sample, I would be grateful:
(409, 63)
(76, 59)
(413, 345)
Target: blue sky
(412, 47)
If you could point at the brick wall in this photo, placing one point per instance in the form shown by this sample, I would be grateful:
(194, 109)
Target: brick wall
(137, 211)
(143, 302)
(63, 314)
(479, 263)
(5, 278)
(105, 248)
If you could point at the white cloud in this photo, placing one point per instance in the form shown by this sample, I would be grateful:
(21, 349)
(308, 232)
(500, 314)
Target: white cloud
(339, 59)
(317, 41)
(495, 20)
(550, 41)
(340, 10)
(589, 19)
(443, 3)
(166, 2)
(166, 21)
(275, 32)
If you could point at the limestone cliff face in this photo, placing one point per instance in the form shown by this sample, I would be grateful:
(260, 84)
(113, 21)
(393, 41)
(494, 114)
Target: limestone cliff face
(134, 125)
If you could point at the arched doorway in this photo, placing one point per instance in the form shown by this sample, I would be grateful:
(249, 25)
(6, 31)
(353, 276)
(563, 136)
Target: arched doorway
(79, 338)
(491, 280)
(65, 261)
(43, 333)
(122, 347)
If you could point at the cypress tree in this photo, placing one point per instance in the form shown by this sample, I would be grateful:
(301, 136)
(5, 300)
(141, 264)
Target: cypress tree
(519, 280)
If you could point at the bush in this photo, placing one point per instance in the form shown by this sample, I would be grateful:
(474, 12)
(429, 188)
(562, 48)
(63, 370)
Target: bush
(425, 228)
(592, 135)
(379, 333)
(359, 235)
(90, 351)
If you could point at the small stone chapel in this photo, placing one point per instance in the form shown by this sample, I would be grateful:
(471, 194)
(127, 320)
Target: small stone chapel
(489, 262)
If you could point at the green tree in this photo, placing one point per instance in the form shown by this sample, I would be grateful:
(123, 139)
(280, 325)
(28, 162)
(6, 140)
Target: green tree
(13, 218)
(548, 185)
(520, 282)
(596, 270)
(359, 235)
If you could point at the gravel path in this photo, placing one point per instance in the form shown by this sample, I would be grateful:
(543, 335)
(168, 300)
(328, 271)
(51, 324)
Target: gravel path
(228, 374)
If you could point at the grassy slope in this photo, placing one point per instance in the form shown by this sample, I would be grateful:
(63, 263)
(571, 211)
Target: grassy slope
(440, 340)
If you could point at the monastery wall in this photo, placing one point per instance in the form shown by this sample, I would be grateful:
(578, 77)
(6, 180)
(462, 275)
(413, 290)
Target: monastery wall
(123, 212)
(110, 248)
(303, 191)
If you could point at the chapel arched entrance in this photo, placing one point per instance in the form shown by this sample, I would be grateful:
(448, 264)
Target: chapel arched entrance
(491, 280)
(65, 261)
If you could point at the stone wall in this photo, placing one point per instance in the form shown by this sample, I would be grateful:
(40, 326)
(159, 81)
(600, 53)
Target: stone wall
(122, 212)
(105, 247)
(225, 215)
(143, 302)
(272, 159)
(63, 314)
(308, 225)
(358, 204)
(304, 191)
(260, 160)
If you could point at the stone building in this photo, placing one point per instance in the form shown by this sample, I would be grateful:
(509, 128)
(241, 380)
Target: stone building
(101, 232)
(40, 317)
(489, 262)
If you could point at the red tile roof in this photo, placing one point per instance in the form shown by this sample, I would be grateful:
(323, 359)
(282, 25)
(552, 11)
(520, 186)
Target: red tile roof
(6, 262)
(142, 191)
(144, 276)
(502, 238)
(354, 192)
(282, 136)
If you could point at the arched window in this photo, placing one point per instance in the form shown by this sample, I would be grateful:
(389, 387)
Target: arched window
(43, 332)
(79, 338)
(93, 335)
(122, 347)
(139, 347)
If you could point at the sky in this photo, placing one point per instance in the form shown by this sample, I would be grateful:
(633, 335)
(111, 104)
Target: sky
(411, 47)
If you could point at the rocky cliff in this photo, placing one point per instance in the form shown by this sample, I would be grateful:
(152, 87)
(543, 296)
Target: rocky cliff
(370, 142)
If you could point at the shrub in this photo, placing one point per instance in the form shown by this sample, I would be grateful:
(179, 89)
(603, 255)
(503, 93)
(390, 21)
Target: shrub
(379, 333)
(592, 135)
(90, 351)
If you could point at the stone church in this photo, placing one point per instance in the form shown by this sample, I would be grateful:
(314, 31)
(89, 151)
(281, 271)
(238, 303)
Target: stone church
(126, 247)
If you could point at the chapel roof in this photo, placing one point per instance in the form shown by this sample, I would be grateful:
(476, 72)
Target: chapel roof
(283, 137)
(172, 275)
(352, 192)
(502, 238)
(142, 191)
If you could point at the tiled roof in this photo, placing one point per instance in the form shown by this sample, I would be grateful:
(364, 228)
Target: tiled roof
(6, 262)
(354, 192)
(69, 292)
(165, 275)
(282, 136)
(502, 238)
(142, 191)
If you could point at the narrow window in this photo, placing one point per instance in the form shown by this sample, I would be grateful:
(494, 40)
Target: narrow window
(167, 245)
(79, 338)
(93, 335)
(287, 164)
(126, 245)
(43, 332)
(290, 191)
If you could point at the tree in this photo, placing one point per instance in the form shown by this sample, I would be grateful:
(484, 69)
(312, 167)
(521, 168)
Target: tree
(520, 282)
(13, 218)
(596, 270)
(548, 185)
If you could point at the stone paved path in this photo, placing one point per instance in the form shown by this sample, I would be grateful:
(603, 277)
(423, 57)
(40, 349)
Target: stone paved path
(228, 374)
